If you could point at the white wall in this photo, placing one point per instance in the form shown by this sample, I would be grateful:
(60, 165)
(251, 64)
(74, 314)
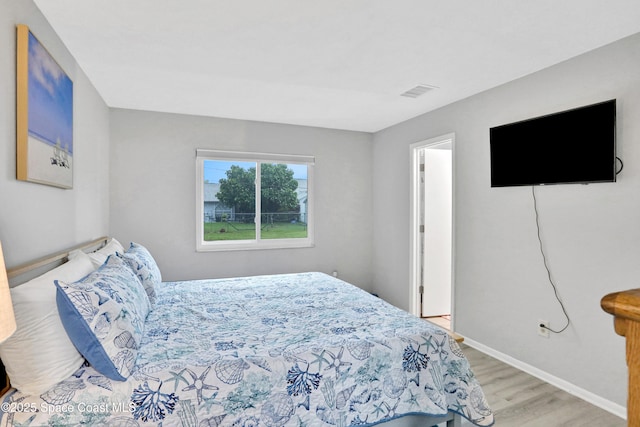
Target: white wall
(153, 193)
(591, 233)
(35, 219)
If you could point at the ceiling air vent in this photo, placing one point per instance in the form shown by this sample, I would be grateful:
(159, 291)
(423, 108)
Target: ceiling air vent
(417, 91)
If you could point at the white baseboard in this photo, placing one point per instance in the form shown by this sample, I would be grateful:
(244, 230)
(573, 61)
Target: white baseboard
(583, 394)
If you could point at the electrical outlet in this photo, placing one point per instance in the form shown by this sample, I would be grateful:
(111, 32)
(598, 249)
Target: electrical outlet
(542, 328)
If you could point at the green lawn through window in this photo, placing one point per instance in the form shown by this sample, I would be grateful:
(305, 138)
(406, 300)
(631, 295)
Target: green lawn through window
(246, 231)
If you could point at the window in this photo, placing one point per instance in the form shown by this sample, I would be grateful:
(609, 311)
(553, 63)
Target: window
(253, 200)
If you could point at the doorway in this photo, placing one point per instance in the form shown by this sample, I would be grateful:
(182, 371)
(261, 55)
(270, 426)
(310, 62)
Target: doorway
(432, 229)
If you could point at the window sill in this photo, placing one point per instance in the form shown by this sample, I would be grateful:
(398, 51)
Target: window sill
(249, 245)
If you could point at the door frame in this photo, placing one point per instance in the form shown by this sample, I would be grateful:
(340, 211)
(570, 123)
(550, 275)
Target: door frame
(414, 221)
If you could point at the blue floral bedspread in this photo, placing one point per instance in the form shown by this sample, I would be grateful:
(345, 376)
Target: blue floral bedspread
(283, 350)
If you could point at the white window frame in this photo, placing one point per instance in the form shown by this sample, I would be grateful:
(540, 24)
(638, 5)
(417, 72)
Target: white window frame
(228, 245)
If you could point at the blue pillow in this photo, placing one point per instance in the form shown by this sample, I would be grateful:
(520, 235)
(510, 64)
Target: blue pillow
(104, 315)
(145, 267)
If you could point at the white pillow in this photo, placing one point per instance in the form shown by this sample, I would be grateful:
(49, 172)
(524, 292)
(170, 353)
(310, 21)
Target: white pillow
(100, 256)
(40, 354)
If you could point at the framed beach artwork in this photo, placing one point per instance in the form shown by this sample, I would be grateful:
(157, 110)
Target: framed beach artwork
(44, 116)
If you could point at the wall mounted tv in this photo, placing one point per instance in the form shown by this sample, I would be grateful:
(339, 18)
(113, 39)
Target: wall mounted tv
(569, 147)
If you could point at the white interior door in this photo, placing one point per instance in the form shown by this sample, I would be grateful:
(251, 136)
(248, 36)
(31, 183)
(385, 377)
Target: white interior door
(437, 236)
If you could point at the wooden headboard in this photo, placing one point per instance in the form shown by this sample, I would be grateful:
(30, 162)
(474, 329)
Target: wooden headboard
(28, 271)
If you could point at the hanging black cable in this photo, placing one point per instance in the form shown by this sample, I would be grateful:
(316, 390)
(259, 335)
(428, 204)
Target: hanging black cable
(621, 165)
(544, 260)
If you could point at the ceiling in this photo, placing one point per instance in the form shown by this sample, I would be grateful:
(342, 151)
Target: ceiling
(333, 63)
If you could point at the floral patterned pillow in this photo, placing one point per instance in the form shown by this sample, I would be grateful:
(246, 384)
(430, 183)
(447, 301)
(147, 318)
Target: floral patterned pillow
(145, 267)
(104, 316)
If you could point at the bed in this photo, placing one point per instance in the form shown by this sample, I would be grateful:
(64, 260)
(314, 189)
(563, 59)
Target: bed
(301, 349)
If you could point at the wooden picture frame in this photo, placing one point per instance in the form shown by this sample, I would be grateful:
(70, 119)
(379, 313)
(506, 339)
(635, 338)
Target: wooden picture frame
(44, 115)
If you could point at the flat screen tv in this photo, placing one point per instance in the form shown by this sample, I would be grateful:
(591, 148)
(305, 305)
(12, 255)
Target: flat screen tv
(569, 147)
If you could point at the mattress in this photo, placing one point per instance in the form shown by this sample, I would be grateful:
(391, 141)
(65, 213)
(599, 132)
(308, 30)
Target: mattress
(280, 350)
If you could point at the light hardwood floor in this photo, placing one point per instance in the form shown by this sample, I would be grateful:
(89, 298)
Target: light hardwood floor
(521, 400)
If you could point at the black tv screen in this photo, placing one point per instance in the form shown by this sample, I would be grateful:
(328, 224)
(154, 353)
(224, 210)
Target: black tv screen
(573, 146)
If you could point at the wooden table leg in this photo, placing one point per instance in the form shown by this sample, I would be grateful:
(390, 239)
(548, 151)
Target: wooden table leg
(633, 362)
